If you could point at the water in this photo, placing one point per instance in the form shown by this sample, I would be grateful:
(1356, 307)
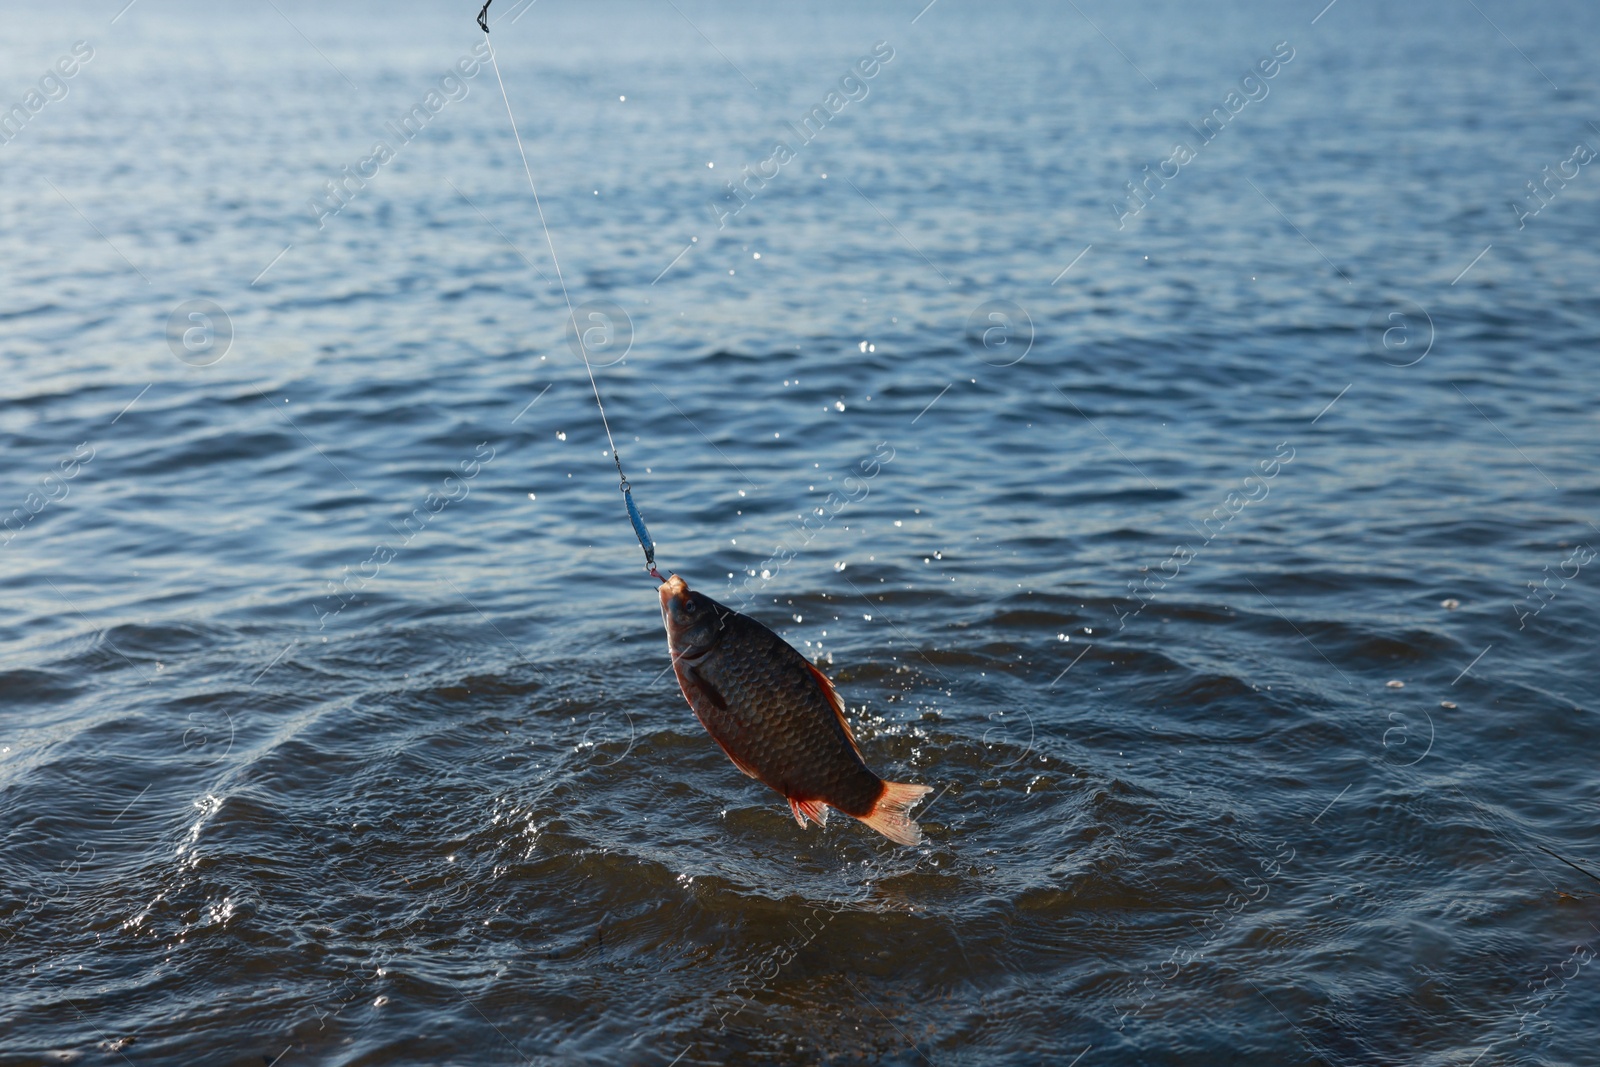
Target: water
(335, 727)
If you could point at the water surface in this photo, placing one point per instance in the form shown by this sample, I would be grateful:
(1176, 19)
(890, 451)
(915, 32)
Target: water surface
(1234, 590)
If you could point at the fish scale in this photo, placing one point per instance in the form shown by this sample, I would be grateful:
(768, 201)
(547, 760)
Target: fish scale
(776, 716)
(780, 721)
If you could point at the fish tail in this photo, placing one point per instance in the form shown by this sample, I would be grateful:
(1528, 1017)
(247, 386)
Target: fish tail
(888, 816)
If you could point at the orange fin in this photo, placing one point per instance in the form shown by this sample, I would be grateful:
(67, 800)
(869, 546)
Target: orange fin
(836, 704)
(816, 809)
(737, 762)
(693, 685)
(740, 763)
(710, 691)
(888, 816)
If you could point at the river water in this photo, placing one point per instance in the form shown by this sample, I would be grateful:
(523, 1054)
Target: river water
(1220, 550)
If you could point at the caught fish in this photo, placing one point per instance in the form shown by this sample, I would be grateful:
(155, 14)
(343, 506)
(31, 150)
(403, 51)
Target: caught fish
(776, 716)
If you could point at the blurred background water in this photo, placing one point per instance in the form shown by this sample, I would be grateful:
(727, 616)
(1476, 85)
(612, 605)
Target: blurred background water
(1234, 587)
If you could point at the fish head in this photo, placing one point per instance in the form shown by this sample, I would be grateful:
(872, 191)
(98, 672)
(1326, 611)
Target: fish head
(693, 620)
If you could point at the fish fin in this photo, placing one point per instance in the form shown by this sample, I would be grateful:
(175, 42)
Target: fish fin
(710, 691)
(836, 704)
(688, 676)
(816, 809)
(692, 677)
(888, 816)
(750, 772)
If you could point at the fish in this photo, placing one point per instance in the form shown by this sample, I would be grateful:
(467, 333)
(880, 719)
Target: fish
(776, 716)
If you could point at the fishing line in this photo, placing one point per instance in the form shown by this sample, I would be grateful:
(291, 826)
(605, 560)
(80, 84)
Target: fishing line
(1568, 862)
(634, 517)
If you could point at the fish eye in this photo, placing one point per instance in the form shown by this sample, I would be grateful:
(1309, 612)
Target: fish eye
(688, 607)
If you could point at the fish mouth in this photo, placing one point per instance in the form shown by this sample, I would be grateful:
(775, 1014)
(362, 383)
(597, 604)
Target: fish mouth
(691, 633)
(674, 595)
(673, 589)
